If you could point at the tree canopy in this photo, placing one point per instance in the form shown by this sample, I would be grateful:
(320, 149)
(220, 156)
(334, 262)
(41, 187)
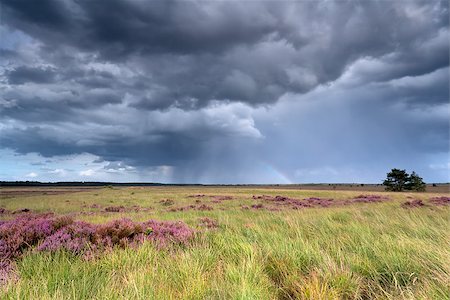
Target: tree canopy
(398, 180)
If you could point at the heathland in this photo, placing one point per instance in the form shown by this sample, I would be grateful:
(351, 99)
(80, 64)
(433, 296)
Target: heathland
(223, 243)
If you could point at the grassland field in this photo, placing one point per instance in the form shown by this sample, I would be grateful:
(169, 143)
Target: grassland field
(249, 244)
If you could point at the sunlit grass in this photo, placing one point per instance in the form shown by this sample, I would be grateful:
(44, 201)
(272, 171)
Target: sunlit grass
(360, 251)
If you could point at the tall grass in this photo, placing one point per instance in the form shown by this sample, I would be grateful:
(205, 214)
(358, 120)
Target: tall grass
(361, 251)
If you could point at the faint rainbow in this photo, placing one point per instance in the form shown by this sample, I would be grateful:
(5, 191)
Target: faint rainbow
(277, 173)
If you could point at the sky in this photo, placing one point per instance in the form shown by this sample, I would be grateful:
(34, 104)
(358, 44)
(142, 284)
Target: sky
(313, 91)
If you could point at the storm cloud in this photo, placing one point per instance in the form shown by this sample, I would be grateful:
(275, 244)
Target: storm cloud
(227, 91)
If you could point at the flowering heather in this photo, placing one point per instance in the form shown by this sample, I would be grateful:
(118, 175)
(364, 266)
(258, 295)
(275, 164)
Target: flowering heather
(440, 200)
(24, 231)
(164, 233)
(50, 233)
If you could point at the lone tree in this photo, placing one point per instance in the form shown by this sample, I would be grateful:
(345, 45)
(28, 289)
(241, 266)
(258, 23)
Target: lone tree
(398, 180)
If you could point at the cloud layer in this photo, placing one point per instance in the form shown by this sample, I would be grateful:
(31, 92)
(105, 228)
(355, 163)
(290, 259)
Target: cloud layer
(227, 91)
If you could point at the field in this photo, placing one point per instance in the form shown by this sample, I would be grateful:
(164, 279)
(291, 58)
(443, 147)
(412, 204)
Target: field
(246, 243)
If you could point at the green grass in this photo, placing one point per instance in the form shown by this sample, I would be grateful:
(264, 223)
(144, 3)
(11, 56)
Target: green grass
(360, 251)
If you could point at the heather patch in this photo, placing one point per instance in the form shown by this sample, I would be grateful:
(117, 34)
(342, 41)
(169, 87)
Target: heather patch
(50, 233)
(208, 223)
(257, 206)
(413, 203)
(440, 200)
(282, 201)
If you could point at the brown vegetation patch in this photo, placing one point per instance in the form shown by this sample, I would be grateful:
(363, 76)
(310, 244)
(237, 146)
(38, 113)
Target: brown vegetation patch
(208, 223)
(413, 203)
(197, 196)
(323, 202)
(369, 198)
(115, 208)
(167, 202)
(21, 211)
(257, 206)
(221, 197)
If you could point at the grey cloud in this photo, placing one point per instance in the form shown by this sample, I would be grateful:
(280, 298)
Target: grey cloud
(24, 74)
(186, 54)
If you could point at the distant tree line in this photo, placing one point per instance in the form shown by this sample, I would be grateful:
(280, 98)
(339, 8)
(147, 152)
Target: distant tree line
(399, 180)
(86, 183)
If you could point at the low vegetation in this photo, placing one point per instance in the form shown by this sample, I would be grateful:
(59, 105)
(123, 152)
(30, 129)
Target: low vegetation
(224, 243)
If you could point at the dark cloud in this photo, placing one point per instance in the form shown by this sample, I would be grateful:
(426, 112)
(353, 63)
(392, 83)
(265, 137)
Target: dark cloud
(183, 83)
(187, 53)
(23, 74)
(45, 13)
